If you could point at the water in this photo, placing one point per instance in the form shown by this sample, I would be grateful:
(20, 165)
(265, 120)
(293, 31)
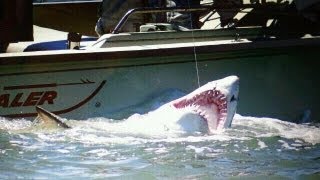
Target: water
(253, 147)
(101, 148)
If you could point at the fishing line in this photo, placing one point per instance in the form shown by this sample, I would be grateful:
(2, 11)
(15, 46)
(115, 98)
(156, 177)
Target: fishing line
(194, 46)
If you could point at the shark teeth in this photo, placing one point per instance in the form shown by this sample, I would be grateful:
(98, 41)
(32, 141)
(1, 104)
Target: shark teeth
(223, 111)
(222, 106)
(207, 99)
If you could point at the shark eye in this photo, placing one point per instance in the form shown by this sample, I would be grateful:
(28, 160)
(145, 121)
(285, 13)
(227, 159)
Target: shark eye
(233, 98)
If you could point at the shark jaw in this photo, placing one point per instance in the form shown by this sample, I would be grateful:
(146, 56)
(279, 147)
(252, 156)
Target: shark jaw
(215, 102)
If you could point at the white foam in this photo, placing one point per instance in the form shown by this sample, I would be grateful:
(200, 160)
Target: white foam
(160, 124)
(139, 129)
(261, 144)
(63, 151)
(15, 124)
(267, 127)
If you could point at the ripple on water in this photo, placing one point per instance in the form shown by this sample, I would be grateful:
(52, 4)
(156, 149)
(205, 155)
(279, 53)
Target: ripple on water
(252, 148)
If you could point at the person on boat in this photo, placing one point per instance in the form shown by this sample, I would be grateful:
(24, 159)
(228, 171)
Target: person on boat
(188, 20)
(111, 11)
(16, 23)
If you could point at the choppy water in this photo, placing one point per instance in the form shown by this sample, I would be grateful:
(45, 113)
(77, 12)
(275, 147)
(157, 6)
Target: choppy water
(100, 148)
(253, 147)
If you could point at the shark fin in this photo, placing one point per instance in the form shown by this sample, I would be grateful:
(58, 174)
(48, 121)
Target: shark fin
(49, 119)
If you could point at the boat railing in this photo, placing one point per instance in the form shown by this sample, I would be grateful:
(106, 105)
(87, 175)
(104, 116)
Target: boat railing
(225, 8)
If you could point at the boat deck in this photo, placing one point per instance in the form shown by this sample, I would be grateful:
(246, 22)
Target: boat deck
(45, 39)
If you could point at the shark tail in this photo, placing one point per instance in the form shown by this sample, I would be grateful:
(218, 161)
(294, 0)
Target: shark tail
(49, 119)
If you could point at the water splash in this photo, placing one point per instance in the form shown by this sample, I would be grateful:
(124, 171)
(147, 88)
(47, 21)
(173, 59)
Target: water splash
(269, 127)
(137, 130)
(139, 149)
(99, 147)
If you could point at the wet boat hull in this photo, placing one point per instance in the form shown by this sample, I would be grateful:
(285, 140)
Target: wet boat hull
(277, 78)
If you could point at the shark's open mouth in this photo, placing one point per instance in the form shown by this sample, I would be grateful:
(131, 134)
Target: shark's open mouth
(211, 105)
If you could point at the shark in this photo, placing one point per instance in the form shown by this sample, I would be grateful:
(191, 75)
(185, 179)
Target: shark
(208, 109)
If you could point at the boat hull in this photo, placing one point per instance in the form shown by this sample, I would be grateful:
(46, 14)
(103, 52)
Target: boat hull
(277, 79)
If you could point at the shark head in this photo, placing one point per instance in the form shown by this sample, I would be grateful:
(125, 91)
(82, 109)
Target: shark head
(215, 102)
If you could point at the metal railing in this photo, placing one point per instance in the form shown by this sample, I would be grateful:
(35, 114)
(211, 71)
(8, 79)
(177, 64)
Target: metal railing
(146, 10)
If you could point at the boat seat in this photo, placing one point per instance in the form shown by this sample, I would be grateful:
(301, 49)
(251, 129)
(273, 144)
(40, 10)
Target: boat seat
(57, 45)
(46, 39)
